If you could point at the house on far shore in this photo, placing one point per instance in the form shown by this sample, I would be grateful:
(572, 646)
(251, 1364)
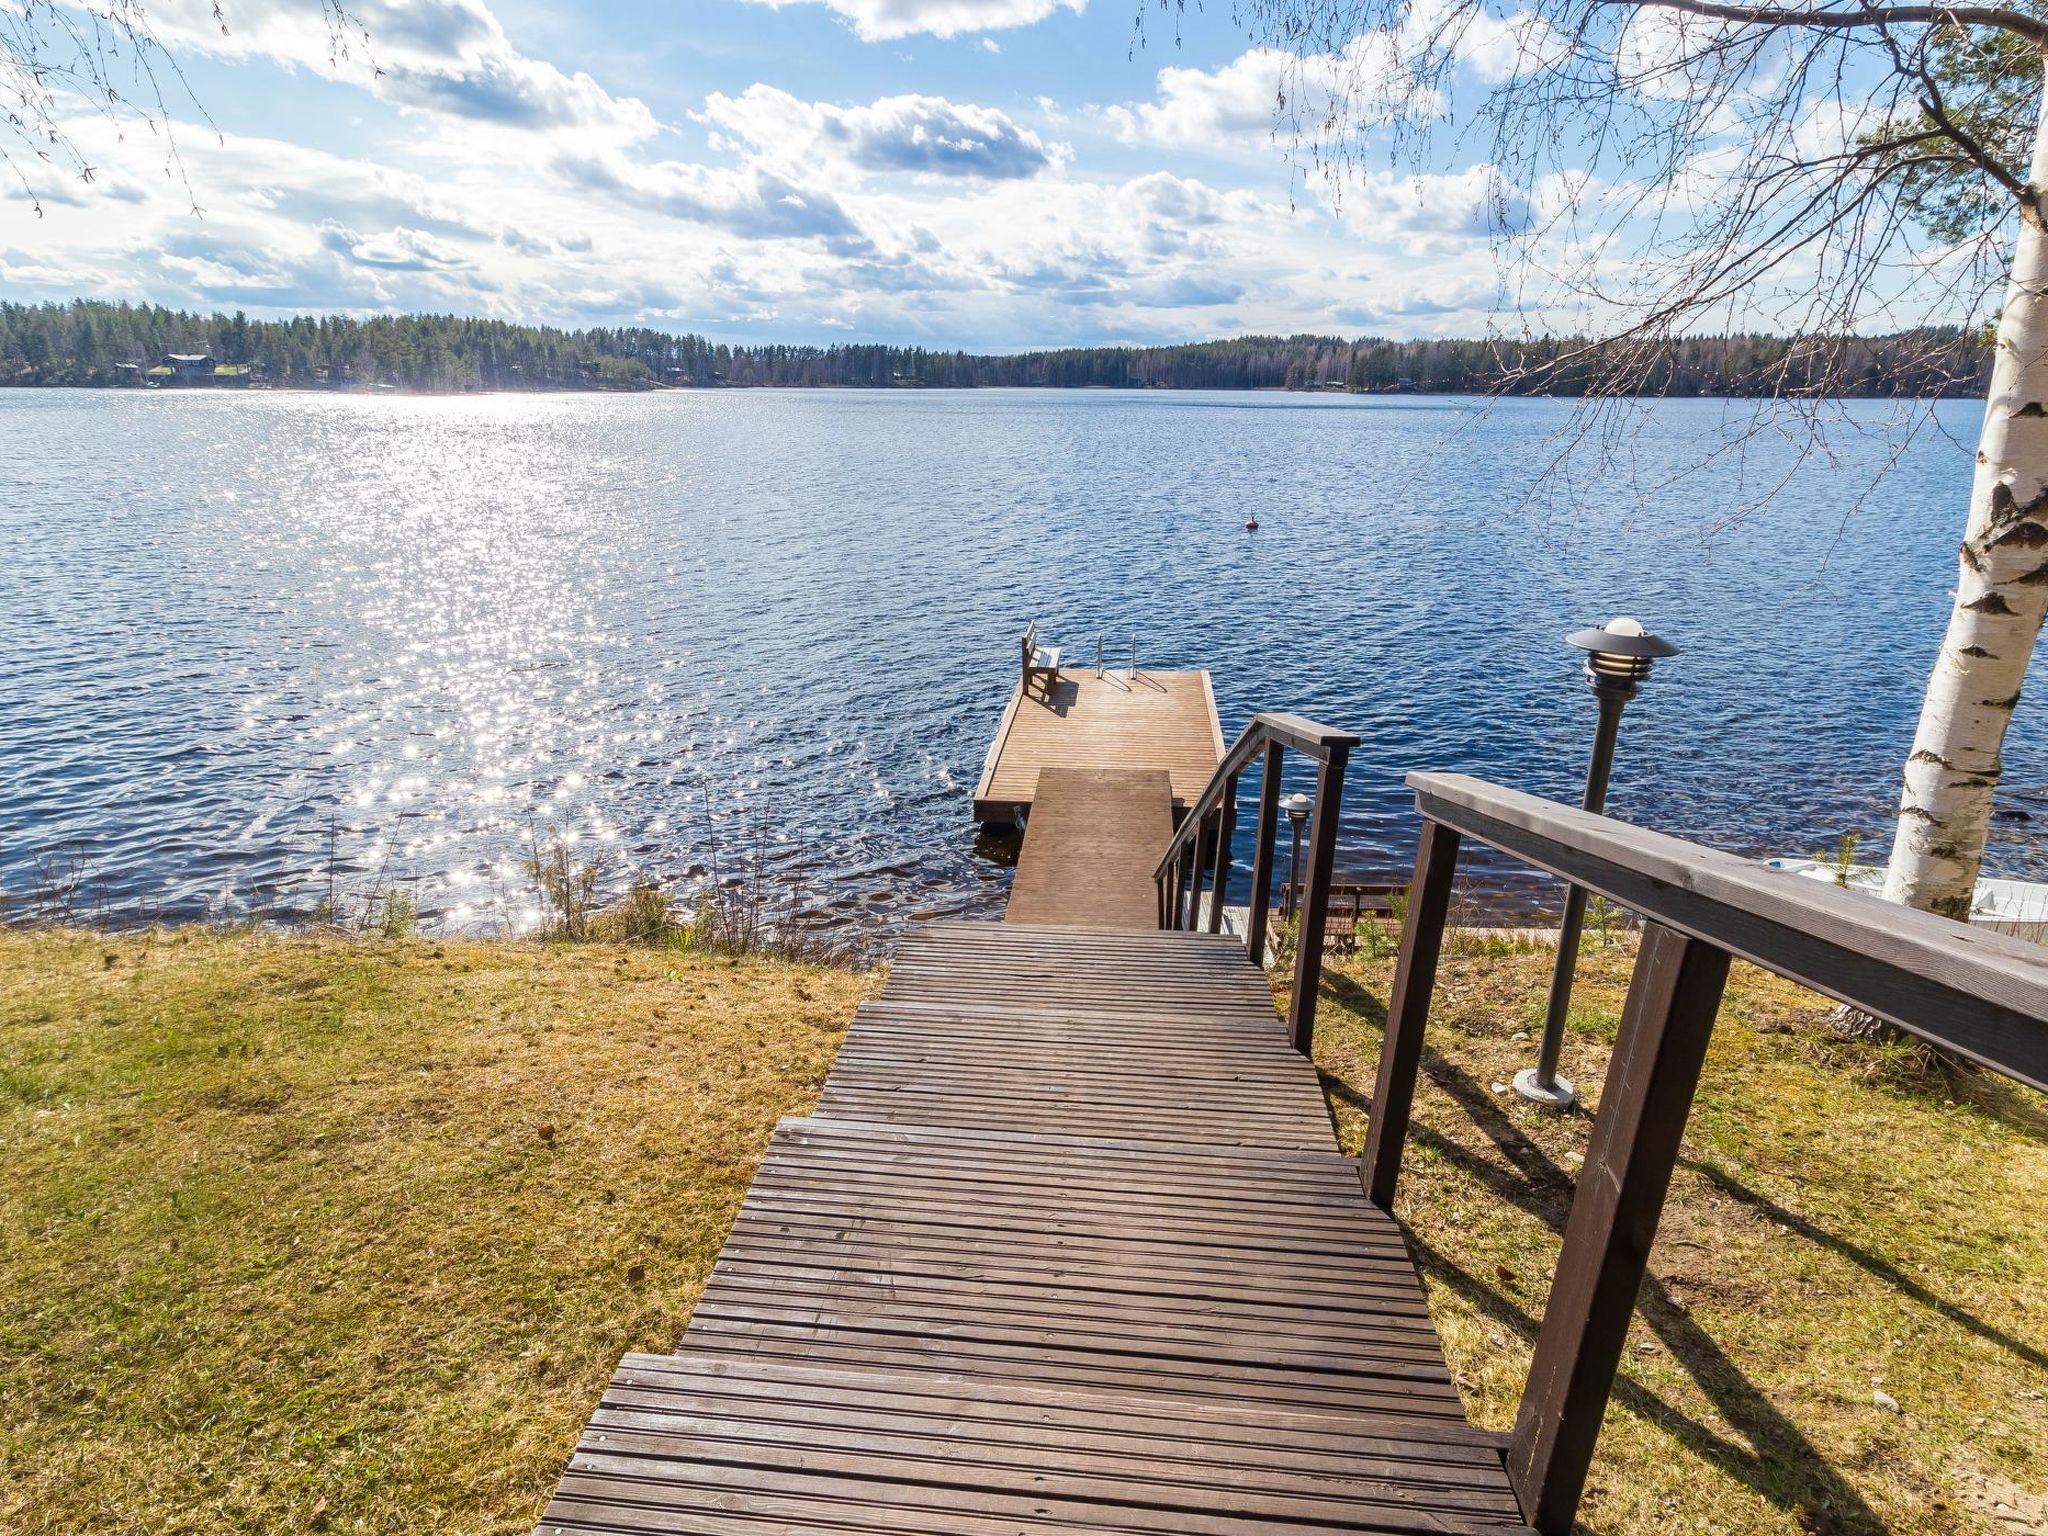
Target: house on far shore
(129, 375)
(184, 368)
(232, 376)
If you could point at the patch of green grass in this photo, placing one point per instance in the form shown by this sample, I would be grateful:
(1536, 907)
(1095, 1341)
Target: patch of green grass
(1841, 1225)
(317, 1233)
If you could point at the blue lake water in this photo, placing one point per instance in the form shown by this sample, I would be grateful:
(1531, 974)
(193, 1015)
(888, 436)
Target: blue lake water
(257, 645)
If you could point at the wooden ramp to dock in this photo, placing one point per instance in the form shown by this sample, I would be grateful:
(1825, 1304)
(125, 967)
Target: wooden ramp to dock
(1067, 1249)
(1092, 845)
(1079, 720)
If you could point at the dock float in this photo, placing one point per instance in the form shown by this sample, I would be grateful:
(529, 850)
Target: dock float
(1067, 1248)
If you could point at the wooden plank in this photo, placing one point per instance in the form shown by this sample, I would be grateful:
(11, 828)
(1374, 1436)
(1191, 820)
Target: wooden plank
(1088, 852)
(1983, 995)
(1082, 1031)
(1362, 1328)
(698, 1444)
(678, 1409)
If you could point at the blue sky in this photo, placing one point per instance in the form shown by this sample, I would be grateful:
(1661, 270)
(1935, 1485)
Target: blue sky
(988, 174)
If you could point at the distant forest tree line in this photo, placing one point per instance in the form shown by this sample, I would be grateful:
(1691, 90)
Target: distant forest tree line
(91, 343)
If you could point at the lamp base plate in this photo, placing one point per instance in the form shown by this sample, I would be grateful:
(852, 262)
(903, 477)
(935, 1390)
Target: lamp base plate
(1559, 1095)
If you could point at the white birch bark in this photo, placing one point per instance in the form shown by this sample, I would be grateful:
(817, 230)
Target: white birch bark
(2001, 594)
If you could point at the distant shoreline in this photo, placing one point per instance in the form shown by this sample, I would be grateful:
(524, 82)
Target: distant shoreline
(90, 344)
(407, 392)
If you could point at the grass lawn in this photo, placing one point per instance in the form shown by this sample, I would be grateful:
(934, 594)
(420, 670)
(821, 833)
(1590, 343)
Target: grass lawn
(311, 1234)
(346, 1235)
(1835, 1231)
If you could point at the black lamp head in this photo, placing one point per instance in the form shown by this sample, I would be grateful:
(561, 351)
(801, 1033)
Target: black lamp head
(1620, 654)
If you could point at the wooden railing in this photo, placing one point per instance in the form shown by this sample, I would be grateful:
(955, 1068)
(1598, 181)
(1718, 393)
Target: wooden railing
(1980, 995)
(1200, 849)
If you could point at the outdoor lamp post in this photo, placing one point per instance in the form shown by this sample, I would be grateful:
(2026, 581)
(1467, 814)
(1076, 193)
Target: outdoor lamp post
(1297, 813)
(1619, 656)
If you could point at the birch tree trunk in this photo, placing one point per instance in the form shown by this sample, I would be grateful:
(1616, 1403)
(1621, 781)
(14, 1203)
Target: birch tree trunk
(2001, 594)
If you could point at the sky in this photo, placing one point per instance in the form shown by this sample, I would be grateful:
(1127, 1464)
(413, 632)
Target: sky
(986, 174)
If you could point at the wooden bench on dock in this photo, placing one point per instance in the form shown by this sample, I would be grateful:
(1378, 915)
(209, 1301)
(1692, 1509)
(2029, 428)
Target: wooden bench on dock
(1040, 662)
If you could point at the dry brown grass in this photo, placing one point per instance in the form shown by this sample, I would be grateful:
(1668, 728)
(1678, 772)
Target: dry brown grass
(1838, 1227)
(302, 1233)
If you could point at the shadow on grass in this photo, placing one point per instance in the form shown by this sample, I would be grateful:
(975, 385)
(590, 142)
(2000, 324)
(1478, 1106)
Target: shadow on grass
(1865, 1260)
(1777, 1460)
(1368, 1005)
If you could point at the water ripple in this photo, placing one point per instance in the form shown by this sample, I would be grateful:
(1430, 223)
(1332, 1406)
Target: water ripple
(259, 645)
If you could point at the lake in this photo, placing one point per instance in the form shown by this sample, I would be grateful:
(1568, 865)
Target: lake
(259, 648)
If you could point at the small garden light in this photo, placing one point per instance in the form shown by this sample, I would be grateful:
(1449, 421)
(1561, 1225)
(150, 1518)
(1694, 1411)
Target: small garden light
(1619, 655)
(1297, 814)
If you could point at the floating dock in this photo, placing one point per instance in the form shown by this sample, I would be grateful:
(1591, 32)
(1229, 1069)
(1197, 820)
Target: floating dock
(1077, 719)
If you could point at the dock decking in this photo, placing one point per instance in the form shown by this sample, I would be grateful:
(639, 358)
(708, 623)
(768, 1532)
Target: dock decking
(1066, 1248)
(1153, 720)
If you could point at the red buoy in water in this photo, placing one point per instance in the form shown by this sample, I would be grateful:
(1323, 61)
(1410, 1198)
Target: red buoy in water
(1251, 525)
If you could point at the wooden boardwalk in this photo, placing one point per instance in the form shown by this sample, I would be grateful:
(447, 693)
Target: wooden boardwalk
(1066, 1248)
(1089, 852)
(1154, 720)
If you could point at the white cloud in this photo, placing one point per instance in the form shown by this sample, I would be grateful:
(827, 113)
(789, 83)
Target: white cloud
(881, 20)
(924, 135)
(752, 202)
(1363, 84)
(1193, 104)
(398, 250)
(1262, 89)
(450, 57)
(1436, 211)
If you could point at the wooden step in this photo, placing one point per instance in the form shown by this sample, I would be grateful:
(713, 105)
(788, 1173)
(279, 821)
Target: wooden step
(689, 1443)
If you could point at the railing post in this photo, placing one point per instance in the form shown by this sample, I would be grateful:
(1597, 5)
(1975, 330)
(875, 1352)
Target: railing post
(1665, 1025)
(1190, 871)
(1422, 936)
(1173, 878)
(1262, 854)
(1226, 829)
(1315, 900)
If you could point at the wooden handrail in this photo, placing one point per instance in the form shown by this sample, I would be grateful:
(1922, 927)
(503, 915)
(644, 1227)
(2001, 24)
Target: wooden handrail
(1202, 842)
(1304, 736)
(1982, 995)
